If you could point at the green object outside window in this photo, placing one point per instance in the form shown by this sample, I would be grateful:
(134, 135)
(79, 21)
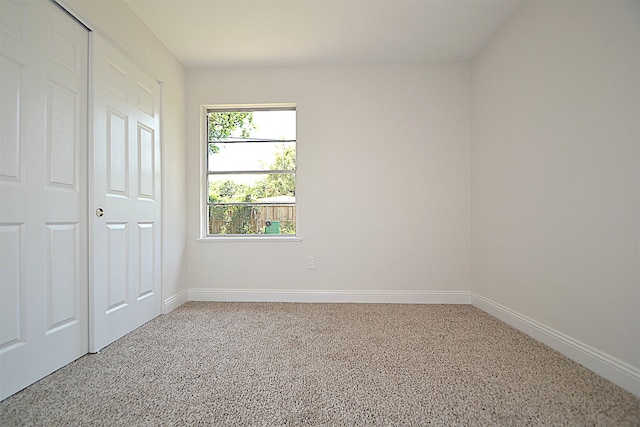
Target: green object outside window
(272, 227)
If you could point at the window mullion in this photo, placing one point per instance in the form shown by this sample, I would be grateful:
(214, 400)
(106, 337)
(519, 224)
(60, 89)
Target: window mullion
(254, 172)
(246, 141)
(250, 204)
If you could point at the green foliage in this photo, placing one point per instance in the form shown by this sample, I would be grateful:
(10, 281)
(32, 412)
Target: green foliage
(279, 184)
(287, 227)
(272, 185)
(231, 219)
(225, 219)
(229, 192)
(222, 124)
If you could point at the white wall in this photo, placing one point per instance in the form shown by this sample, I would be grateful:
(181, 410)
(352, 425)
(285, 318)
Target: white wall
(556, 171)
(383, 179)
(116, 21)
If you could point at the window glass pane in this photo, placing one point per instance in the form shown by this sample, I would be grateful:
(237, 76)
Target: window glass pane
(243, 188)
(252, 219)
(251, 156)
(279, 125)
(245, 147)
(274, 125)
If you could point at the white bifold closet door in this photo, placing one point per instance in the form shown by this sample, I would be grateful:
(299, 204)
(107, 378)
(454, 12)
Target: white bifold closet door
(43, 192)
(125, 174)
(80, 242)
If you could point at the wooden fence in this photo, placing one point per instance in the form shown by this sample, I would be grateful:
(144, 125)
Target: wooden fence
(250, 219)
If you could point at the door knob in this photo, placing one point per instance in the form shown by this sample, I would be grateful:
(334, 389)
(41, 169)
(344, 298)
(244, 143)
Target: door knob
(99, 212)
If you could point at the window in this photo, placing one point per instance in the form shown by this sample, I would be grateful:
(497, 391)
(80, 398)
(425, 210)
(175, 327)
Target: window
(251, 171)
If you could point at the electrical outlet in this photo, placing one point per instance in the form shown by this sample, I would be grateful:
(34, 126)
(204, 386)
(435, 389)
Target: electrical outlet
(311, 263)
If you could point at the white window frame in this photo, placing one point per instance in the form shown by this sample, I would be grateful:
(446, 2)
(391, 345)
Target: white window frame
(205, 237)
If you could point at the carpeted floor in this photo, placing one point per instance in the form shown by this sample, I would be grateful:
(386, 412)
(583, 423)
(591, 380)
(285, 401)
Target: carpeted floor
(269, 364)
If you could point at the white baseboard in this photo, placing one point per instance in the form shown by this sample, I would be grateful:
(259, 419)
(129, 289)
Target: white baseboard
(331, 296)
(174, 301)
(603, 364)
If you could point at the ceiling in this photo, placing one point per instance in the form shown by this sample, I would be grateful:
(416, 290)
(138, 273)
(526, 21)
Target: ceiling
(251, 33)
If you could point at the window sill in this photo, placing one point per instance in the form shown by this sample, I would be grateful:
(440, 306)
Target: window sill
(244, 238)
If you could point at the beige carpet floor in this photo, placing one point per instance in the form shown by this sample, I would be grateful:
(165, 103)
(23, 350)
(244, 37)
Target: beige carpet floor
(274, 364)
